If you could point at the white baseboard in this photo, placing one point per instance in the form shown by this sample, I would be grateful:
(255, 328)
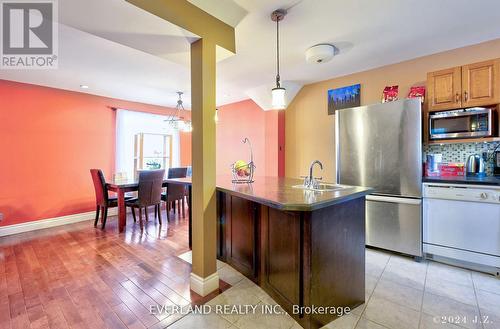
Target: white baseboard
(204, 286)
(51, 222)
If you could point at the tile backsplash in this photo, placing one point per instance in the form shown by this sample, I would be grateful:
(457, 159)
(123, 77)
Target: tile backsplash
(460, 152)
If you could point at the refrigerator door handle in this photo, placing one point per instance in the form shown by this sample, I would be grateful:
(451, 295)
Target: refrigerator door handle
(393, 199)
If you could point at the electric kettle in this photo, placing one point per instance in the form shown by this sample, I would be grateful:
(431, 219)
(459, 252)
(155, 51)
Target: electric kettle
(475, 166)
(496, 166)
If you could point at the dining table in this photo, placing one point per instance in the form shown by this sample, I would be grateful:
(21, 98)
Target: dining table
(121, 186)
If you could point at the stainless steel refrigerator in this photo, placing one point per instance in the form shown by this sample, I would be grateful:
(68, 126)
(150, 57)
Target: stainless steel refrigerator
(380, 146)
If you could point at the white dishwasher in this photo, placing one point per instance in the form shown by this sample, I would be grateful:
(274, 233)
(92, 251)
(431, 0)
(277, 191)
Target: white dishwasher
(462, 222)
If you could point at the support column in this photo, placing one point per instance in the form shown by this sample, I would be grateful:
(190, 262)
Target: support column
(204, 278)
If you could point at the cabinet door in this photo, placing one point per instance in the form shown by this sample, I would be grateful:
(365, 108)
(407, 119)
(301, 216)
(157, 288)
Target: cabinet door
(241, 235)
(444, 89)
(480, 83)
(281, 256)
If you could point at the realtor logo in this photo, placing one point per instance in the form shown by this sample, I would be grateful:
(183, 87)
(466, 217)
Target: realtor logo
(29, 34)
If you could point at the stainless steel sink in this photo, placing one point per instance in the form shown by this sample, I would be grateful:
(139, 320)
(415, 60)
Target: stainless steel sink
(323, 187)
(312, 183)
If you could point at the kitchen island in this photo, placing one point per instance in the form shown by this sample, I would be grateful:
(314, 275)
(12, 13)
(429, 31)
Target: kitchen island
(305, 248)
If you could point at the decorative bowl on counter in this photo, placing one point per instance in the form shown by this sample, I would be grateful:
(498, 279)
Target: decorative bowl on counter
(241, 171)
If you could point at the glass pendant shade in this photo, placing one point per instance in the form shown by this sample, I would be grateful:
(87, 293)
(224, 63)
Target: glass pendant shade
(176, 120)
(180, 124)
(187, 127)
(278, 98)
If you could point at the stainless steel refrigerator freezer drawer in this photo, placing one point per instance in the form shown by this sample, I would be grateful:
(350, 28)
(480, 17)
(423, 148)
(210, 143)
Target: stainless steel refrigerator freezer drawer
(394, 223)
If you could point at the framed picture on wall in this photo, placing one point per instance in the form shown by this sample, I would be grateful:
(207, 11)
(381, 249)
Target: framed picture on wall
(342, 98)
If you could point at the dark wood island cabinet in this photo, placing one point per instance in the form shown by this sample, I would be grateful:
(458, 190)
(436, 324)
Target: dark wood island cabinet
(304, 248)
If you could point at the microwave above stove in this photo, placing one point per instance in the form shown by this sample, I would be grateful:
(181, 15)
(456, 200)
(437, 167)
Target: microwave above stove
(464, 123)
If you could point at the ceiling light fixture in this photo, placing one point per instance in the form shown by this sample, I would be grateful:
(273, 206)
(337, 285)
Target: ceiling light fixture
(278, 93)
(321, 53)
(84, 86)
(176, 120)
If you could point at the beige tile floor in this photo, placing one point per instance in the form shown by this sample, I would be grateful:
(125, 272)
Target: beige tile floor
(400, 294)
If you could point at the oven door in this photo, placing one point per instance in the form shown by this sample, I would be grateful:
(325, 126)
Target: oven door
(461, 124)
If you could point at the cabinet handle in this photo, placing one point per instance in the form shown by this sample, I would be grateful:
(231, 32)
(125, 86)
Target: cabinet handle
(466, 96)
(457, 97)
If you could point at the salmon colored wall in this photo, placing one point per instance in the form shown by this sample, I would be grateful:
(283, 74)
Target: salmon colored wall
(237, 121)
(281, 143)
(309, 128)
(247, 119)
(275, 143)
(271, 142)
(49, 139)
(185, 146)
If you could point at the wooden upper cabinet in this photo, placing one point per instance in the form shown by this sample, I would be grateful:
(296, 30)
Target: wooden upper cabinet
(480, 83)
(444, 89)
(470, 85)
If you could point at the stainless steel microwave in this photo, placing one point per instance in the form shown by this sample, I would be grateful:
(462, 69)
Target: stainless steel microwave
(465, 123)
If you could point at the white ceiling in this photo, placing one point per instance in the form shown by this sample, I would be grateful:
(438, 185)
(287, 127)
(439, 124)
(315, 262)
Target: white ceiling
(123, 52)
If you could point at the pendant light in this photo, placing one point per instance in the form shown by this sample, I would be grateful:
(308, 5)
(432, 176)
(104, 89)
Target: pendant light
(278, 93)
(176, 120)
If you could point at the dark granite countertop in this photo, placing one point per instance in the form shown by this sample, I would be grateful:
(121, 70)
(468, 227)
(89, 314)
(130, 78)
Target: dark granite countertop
(489, 180)
(279, 193)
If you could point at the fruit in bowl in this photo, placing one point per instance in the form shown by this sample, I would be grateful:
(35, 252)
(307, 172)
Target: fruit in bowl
(241, 168)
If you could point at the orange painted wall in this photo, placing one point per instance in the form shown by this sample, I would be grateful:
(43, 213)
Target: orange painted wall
(271, 142)
(247, 119)
(49, 139)
(185, 146)
(237, 121)
(281, 143)
(275, 143)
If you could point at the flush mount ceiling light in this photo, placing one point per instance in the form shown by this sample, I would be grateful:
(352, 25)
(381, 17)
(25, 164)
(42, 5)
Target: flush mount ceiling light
(321, 53)
(84, 86)
(278, 93)
(176, 120)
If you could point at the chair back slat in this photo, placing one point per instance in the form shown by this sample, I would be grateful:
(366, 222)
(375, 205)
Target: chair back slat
(176, 191)
(180, 172)
(101, 195)
(150, 187)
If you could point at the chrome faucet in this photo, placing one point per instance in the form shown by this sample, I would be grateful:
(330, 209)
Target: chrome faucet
(310, 181)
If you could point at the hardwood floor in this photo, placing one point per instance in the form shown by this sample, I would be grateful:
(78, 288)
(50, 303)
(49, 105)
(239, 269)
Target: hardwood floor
(79, 276)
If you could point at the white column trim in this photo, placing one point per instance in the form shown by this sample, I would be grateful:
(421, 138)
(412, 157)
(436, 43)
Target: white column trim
(204, 286)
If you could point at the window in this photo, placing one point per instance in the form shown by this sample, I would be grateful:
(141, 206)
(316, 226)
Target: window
(144, 141)
(152, 151)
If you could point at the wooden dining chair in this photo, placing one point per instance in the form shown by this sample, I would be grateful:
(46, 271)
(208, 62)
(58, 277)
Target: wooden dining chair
(179, 172)
(149, 194)
(175, 192)
(188, 174)
(102, 199)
